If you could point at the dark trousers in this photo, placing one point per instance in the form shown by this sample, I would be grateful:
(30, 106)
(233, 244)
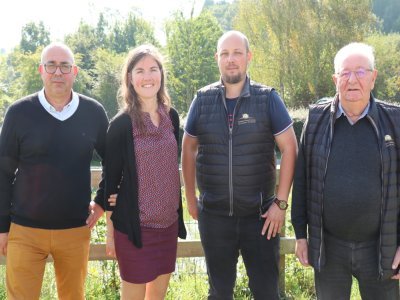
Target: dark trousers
(346, 259)
(222, 238)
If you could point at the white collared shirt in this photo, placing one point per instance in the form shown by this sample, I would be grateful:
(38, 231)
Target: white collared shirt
(67, 111)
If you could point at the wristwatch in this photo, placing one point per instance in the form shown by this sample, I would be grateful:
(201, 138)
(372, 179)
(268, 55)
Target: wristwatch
(282, 204)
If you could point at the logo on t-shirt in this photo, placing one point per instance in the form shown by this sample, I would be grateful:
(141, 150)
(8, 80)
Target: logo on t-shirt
(246, 119)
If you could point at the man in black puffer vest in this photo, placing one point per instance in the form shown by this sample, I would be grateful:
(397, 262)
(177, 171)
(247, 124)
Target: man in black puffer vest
(346, 188)
(229, 142)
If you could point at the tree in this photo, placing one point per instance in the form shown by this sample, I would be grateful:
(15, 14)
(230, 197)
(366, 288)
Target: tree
(191, 44)
(130, 33)
(389, 12)
(108, 69)
(294, 42)
(224, 11)
(26, 76)
(387, 61)
(33, 36)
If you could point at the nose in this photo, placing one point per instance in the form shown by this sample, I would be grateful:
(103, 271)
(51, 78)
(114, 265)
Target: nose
(353, 76)
(231, 57)
(58, 70)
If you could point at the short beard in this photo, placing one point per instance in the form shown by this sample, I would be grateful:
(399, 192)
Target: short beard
(232, 79)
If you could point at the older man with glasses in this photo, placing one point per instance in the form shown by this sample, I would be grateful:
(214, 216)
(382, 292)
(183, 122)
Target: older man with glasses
(345, 208)
(46, 147)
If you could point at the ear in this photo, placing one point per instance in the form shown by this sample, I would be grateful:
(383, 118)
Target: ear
(249, 56)
(40, 68)
(374, 75)
(335, 79)
(216, 56)
(75, 70)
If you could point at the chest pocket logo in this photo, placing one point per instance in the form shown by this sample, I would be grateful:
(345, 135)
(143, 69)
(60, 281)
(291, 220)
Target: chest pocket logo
(246, 119)
(389, 141)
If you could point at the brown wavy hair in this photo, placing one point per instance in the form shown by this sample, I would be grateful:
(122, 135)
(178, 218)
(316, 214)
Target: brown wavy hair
(127, 97)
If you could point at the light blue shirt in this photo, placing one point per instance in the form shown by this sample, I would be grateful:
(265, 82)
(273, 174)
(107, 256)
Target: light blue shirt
(67, 111)
(341, 111)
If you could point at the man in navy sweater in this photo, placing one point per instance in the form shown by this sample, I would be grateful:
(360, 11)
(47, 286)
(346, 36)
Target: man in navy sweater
(46, 146)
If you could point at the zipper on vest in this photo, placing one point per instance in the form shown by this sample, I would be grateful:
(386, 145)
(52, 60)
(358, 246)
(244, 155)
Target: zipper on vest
(231, 156)
(382, 200)
(230, 174)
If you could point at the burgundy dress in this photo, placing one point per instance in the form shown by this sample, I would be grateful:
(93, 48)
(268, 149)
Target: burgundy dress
(156, 154)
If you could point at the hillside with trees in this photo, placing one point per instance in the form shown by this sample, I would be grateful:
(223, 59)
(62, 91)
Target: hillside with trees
(293, 42)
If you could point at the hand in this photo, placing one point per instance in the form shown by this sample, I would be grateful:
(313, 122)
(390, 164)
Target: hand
(301, 251)
(110, 246)
(193, 209)
(274, 220)
(3, 243)
(396, 264)
(95, 212)
(112, 200)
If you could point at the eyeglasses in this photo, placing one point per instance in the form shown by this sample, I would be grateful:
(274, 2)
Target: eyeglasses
(360, 73)
(52, 68)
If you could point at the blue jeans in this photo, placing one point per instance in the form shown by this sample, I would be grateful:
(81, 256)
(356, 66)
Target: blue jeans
(222, 238)
(346, 259)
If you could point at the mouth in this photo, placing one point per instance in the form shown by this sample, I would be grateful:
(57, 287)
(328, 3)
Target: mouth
(147, 85)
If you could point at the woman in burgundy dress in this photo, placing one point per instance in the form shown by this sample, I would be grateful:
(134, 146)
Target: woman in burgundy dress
(142, 172)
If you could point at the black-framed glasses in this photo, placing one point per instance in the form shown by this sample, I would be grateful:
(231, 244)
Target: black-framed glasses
(360, 73)
(52, 68)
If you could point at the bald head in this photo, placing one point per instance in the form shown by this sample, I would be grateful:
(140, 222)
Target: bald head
(60, 46)
(232, 33)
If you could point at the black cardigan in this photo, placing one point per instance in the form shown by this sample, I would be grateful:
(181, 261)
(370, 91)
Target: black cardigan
(121, 177)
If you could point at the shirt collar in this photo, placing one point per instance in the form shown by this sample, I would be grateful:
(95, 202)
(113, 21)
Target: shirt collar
(341, 111)
(67, 111)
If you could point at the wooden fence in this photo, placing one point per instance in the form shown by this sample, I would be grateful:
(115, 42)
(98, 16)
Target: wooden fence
(186, 248)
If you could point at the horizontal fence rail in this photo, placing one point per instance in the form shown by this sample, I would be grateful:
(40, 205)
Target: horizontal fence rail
(186, 248)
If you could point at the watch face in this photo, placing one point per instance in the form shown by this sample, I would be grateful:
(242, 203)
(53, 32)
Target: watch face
(281, 204)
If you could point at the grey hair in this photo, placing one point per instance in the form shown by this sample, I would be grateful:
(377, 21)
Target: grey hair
(354, 48)
(57, 45)
(234, 32)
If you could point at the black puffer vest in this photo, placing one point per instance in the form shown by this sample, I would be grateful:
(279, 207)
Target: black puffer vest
(235, 167)
(385, 119)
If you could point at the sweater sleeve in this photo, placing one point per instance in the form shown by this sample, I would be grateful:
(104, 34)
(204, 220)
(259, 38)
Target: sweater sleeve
(9, 150)
(113, 169)
(100, 146)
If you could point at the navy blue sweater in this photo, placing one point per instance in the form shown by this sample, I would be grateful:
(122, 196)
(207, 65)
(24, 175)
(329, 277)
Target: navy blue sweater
(45, 164)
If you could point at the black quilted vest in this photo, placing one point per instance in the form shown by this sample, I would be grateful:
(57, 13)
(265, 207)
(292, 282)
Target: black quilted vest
(235, 168)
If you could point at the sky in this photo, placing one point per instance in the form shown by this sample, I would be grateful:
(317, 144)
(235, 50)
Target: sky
(63, 17)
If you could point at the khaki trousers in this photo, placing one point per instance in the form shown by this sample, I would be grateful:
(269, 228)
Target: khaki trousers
(27, 251)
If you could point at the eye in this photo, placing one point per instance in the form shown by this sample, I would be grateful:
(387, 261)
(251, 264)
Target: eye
(360, 73)
(345, 74)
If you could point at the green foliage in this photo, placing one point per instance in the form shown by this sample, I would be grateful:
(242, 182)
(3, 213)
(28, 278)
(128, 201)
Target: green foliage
(191, 44)
(130, 33)
(387, 49)
(389, 12)
(294, 42)
(33, 36)
(107, 70)
(25, 76)
(223, 11)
